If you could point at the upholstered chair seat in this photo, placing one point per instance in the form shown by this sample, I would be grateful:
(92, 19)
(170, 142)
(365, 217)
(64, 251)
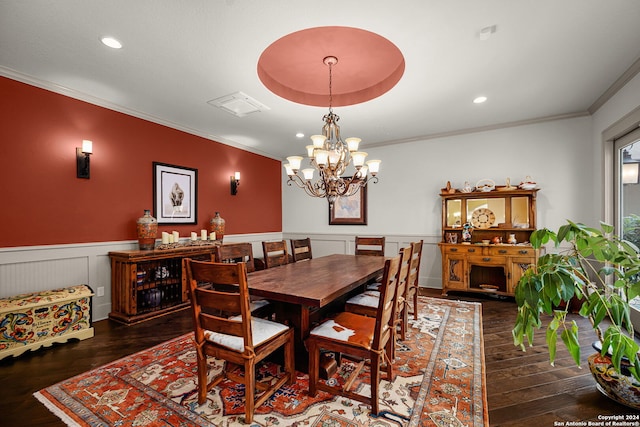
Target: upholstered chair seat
(261, 331)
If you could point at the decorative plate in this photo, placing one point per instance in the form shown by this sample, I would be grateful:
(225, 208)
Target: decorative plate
(482, 218)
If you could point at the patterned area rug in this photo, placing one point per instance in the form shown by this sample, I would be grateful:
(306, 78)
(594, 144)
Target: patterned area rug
(440, 382)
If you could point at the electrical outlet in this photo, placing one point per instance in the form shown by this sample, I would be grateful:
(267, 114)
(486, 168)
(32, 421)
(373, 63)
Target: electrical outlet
(101, 291)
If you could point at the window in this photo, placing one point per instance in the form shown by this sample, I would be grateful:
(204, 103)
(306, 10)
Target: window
(627, 200)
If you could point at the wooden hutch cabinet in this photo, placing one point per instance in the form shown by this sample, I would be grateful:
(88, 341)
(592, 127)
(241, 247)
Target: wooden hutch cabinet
(487, 262)
(147, 284)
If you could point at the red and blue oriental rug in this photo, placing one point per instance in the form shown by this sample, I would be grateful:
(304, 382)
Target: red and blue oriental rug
(440, 381)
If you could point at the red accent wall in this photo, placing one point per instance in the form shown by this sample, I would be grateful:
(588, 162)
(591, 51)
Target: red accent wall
(44, 203)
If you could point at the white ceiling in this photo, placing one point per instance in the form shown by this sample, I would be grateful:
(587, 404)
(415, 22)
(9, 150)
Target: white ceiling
(548, 58)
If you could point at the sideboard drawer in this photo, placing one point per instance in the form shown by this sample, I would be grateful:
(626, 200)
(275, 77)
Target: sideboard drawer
(487, 260)
(504, 250)
(463, 249)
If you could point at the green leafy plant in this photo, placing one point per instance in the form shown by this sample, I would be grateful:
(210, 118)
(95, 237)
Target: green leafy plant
(598, 268)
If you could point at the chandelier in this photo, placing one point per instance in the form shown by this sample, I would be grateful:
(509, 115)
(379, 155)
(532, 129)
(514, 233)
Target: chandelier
(331, 156)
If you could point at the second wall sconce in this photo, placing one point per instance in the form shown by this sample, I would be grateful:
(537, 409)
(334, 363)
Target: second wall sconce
(235, 183)
(82, 159)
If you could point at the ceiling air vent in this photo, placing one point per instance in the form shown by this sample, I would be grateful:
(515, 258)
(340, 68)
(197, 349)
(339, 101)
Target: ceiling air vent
(239, 104)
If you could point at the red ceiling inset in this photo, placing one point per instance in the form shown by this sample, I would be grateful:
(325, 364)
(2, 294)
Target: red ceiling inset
(368, 66)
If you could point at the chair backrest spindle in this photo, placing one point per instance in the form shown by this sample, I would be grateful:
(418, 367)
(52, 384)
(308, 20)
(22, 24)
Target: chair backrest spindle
(369, 246)
(275, 253)
(236, 252)
(301, 249)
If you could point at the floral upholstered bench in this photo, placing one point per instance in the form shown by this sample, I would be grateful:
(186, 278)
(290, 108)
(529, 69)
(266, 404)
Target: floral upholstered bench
(39, 319)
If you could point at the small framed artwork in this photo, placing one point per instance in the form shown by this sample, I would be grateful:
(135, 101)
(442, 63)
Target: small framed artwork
(349, 210)
(175, 190)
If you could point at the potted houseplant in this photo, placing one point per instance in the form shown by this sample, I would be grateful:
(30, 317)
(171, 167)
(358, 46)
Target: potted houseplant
(600, 270)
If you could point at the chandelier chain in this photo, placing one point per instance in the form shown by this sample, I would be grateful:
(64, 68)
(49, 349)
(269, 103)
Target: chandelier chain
(330, 87)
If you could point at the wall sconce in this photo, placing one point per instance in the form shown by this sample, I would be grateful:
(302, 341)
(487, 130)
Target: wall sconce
(82, 158)
(235, 183)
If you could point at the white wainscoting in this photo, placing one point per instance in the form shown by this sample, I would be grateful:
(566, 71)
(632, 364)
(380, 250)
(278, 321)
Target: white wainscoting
(38, 268)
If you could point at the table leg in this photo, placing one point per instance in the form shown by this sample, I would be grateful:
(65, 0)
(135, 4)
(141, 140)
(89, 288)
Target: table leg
(297, 316)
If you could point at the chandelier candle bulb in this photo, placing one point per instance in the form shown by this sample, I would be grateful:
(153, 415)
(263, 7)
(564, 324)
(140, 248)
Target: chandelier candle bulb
(322, 157)
(358, 158)
(318, 140)
(308, 174)
(352, 143)
(295, 162)
(374, 166)
(334, 157)
(310, 150)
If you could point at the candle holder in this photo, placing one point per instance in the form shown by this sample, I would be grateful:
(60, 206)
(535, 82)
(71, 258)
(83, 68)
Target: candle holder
(163, 246)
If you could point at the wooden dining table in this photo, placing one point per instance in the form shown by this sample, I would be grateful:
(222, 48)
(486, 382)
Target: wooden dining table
(306, 291)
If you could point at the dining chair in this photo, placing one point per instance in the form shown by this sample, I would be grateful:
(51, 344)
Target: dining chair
(236, 252)
(367, 302)
(241, 340)
(275, 253)
(301, 249)
(243, 252)
(365, 338)
(369, 246)
(413, 287)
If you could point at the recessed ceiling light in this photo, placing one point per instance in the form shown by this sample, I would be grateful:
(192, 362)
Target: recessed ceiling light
(299, 135)
(480, 100)
(111, 42)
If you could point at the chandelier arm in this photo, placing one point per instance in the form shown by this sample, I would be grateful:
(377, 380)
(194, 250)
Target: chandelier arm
(312, 190)
(295, 179)
(350, 187)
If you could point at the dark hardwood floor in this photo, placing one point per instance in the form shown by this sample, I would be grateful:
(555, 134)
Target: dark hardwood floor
(522, 388)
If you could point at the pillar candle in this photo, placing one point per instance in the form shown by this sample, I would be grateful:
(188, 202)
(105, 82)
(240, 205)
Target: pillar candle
(194, 236)
(170, 238)
(212, 236)
(176, 237)
(203, 234)
(165, 238)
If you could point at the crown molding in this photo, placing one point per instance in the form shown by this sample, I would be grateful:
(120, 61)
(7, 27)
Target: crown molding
(481, 129)
(631, 72)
